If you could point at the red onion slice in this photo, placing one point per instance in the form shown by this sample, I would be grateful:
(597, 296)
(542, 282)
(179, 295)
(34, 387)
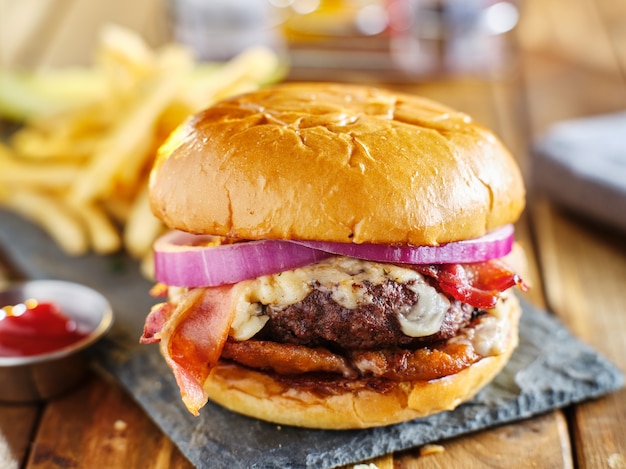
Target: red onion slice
(183, 259)
(180, 259)
(495, 244)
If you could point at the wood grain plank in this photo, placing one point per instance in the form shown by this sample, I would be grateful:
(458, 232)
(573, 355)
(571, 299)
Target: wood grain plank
(599, 432)
(383, 462)
(77, 34)
(572, 29)
(558, 90)
(99, 422)
(17, 424)
(613, 17)
(586, 268)
(530, 446)
(560, 81)
(54, 33)
(24, 28)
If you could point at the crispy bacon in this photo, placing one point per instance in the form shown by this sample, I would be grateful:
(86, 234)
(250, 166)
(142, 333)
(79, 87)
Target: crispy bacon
(399, 364)
(286, 358)
(422, 364)
(158, 316)
(478, 284)
(192, 339)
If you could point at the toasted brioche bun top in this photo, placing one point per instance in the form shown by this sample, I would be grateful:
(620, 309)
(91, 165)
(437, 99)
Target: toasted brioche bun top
(335, 162)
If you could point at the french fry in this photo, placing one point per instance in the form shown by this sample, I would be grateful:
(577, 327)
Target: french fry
(34, 144)
(253, 66)
(14, 171)
(142, 227)
(72, 135)
(81, 172)
(50, 214)
(146, 265)
(129, 137)
(124, 58)
(117, 208)
(103, 236)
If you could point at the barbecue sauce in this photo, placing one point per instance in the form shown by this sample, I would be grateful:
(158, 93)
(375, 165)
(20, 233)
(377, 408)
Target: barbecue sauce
(33, 328)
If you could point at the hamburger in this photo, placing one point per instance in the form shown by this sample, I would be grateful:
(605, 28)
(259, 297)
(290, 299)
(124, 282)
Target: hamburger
(340, 256)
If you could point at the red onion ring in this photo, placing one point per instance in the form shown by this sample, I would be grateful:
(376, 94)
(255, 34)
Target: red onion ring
(183, 259)
(495, 244)
(180, 259)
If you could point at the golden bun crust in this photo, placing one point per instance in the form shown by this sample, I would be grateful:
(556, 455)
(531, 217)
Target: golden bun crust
(335, 162)
(258, 395)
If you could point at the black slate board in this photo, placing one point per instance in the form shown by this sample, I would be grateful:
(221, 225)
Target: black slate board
(550, 369)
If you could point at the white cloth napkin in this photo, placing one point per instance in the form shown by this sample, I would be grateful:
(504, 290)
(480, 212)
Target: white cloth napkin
(581, 163)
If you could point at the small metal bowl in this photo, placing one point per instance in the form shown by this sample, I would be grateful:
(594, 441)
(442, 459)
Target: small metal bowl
(41, 377)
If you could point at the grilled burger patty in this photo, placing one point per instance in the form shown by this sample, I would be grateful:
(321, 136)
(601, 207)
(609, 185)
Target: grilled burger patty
(319, 337)
(319, 321)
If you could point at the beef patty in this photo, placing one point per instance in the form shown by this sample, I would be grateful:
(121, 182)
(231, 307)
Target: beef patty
(318, 321)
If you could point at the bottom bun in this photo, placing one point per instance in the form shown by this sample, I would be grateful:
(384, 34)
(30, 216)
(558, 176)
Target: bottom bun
(259, 395)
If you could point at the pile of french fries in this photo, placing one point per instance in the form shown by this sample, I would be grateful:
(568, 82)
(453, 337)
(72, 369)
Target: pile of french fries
(81, 172)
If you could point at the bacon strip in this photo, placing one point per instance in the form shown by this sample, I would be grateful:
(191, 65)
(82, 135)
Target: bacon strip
(478, 284)
(158, 316)
(286, 358)
(193, 337)
(422, 364)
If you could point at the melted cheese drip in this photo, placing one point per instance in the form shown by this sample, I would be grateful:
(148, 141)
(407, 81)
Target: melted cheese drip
(490, 336)
(342, 278)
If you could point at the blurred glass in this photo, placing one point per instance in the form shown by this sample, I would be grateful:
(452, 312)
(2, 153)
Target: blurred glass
(306, 20)
(219, 29)
(452, 36)
(398, 39)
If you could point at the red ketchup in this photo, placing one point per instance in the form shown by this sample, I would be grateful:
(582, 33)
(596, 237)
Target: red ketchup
(35, 328)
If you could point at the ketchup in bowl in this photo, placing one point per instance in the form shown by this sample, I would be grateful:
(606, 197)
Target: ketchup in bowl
(46, 343)
(32, 328)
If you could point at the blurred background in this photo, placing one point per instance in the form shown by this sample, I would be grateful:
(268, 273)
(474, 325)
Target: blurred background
(322, 39)
(355, 40)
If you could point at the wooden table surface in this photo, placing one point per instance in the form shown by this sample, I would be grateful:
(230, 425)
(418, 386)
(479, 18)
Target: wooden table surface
(572, 62)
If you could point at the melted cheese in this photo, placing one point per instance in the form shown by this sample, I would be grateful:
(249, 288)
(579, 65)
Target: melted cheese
(342, 278)
(426, 316)
(489, 336)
